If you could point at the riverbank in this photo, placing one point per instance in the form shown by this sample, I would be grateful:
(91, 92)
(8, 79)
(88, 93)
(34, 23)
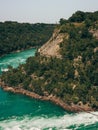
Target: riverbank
(72, 107)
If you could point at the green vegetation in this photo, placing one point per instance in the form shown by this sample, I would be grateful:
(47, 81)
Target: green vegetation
(19, 36)
(80, 16)
(74, 77)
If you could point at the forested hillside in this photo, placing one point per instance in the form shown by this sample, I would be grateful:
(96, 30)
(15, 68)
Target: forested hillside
(73, 78)
(19, 36)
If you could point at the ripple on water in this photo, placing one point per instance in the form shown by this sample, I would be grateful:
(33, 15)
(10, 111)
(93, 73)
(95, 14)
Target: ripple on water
(15, 59)
(68, 121)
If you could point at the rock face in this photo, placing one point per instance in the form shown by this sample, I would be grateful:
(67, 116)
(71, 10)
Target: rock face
(51, 48)
(95, 33)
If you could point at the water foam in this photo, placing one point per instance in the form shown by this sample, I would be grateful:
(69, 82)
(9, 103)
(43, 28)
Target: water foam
(41, 123)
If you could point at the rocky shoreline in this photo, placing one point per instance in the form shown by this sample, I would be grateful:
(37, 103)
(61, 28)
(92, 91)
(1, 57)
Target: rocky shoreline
(55, 100)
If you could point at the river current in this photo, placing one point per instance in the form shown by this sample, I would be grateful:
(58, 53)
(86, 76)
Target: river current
(18, 112)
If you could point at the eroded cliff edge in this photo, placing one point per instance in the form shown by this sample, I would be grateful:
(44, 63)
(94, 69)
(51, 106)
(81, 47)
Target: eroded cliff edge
(52, 47)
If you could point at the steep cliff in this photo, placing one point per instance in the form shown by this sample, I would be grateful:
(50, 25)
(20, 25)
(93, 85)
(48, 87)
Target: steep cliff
(52, 47)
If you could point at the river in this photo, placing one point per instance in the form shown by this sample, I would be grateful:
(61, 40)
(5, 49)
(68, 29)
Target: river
(18, 112)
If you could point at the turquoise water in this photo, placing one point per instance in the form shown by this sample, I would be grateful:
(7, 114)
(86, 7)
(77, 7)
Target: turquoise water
(15, 59)
(18, 112)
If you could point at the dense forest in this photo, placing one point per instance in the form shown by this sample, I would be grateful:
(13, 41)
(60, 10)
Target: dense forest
(19, 36)
(72, 78)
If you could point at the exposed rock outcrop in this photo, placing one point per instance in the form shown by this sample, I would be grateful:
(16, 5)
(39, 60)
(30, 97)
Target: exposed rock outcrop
(51, 48)
(95, 33)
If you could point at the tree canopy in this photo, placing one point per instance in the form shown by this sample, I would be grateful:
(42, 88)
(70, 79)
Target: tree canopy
(19, 36)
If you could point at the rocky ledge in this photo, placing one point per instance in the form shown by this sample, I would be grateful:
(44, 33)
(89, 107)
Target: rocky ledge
(72, 107)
